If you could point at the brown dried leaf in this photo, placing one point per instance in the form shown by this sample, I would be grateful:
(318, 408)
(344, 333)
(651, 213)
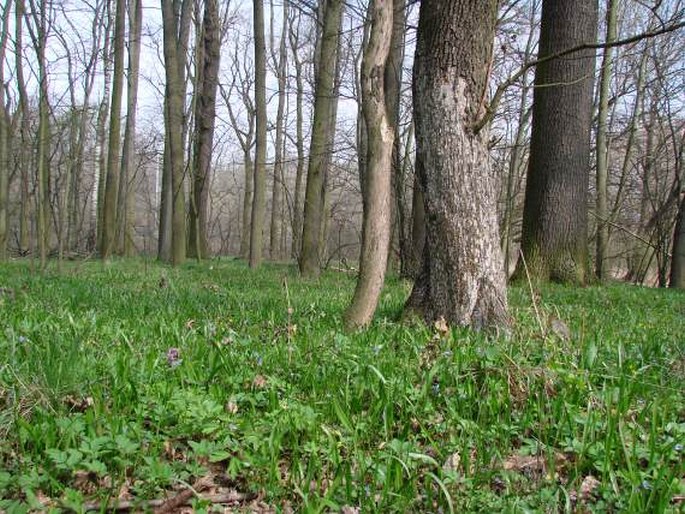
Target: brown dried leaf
(452, 463)
(259, 382)
(441, 326)
(231, 407)
(588, 487)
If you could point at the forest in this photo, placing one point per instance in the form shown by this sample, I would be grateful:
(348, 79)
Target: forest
(342, 256)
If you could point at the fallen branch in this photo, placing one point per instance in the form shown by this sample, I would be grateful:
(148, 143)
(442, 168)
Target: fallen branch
(170, 504)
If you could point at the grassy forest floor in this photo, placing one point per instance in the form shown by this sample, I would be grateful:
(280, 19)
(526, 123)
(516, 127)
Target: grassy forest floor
(218, 388)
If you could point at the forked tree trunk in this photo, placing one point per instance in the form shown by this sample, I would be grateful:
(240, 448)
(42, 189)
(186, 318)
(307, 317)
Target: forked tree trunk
(462, 277)
(554, 240)
(376, 224)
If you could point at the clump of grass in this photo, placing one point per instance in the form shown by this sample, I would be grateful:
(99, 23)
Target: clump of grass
(129, 382)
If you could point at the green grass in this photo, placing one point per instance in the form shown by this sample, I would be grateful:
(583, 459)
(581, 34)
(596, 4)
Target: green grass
(274, 398)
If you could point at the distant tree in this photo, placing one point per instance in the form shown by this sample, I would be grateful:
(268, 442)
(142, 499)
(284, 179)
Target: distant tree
(462, 277)
(380, 134)
(554, 241)
(259, 198)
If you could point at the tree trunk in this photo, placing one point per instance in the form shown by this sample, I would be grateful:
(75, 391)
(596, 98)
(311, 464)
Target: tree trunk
(24, 137)
(205, 115)
(603, 146)
(126, 192)
(462, 278)
(109, 216)
(299, 144)
(376, 224)
(393, 93)
(174, 119)
(259, 197)
(678, 257)
(554, 239)
(4, 136)
(278, 182)
(318, 151)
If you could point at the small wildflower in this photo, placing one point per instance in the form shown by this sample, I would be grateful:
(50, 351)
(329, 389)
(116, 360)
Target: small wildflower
(173, 357)
(646, 485)
(23, 339)
(377, 349)
(436, 388)
(678, 448)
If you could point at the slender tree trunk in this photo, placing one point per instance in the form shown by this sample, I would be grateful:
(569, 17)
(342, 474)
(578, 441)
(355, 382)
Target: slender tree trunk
(299, 144)
(24, 136)
(278, 182)
(259, 198)
(376, 224)
(554, 241)
(462, 278)
(205, 115)
(318, 151)
(39, 34)
(393, 93)
(678, 257)
(603, 146)
(101, 131)
(4, 136)
(126, 192)
(109, 215)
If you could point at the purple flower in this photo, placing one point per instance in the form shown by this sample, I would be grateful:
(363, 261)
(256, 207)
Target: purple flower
(173, 357)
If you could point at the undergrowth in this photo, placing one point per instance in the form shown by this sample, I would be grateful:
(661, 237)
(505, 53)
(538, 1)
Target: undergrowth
(132, 381)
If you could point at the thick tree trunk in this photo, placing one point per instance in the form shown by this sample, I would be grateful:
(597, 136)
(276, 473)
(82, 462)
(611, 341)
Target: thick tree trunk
(603, 146)
(109, 215)
(318, 149)
(462, 278)
(205, 115)
(554, 241)
(259, 197)
(174, 119)
(376, 224)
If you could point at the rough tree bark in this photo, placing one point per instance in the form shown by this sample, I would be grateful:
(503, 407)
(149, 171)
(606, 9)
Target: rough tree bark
(24, 129)
(109, 212)
(462, 277)
(318, 151)
(380, 133)
(205, 115)
(294, 37)
(259, 196)
(554, 240)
